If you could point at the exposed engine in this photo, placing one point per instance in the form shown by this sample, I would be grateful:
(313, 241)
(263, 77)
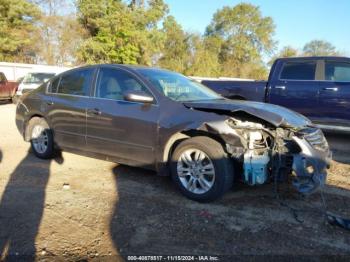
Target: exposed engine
(280, 152)
(256, 157)
(255, 164)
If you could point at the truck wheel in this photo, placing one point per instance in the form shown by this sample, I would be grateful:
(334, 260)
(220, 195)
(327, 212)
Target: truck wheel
(201, 169)
(41, 138)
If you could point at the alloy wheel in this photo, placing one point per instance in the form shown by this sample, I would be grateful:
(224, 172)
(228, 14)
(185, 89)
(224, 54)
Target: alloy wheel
(40, 139)
(196, 171)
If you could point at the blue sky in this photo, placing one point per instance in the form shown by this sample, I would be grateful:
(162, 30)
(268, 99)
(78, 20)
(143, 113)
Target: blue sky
(297, 21)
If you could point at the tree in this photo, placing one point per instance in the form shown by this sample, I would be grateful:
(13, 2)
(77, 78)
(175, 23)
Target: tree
(176, 51)
(245, 35)
(286, 51)
(203, 60)
(59, 33)
(70, 36)
(17, 27)
(121, 32)
(150, 37)
(319, 48)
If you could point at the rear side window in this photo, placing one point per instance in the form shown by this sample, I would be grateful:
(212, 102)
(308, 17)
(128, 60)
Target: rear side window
(337, 71)
(298, 71)
(76, 83)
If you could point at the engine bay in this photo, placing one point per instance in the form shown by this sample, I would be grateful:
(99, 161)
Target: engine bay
(280, 153)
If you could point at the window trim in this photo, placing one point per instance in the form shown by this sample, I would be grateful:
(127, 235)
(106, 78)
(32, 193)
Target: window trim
(68, 72)
(94, 89)
(324, 70)
(316, 75)
(48, 87)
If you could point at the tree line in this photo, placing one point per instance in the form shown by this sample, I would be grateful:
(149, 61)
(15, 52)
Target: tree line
(66, 32)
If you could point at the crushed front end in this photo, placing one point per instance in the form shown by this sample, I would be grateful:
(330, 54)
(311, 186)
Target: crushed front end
(311, 164)
(279, 153)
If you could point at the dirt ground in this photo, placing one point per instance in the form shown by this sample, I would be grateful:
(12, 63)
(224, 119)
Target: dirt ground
(77, 208)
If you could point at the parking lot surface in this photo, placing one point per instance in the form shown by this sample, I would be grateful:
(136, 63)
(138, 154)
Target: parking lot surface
(75, 207)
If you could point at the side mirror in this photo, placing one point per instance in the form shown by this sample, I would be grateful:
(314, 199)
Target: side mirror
(138, 96)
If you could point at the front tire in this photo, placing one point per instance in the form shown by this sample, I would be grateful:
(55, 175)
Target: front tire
(201, 169)
(41, 138)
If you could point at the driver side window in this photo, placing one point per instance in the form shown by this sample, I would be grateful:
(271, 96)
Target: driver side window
(114, 83)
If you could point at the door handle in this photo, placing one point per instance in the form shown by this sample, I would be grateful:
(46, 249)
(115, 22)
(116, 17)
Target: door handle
(94, 111)
(49, 103)
(280, 87)
(331, 88)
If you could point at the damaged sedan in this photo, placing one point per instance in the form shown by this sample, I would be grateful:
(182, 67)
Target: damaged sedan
(164, 121)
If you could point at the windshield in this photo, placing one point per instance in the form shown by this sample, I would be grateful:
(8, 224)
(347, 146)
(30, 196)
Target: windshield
(176, 86)
(37, 78)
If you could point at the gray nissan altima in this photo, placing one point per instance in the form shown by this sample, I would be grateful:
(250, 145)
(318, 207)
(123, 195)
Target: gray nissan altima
(162, 120)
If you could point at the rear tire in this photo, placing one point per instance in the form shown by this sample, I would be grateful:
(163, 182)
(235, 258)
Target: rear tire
(201, 169)
(41, 138)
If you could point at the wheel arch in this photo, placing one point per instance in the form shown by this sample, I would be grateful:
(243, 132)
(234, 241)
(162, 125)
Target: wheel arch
(180, 136)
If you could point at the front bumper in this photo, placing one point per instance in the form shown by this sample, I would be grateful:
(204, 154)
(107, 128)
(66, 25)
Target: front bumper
(310, 166)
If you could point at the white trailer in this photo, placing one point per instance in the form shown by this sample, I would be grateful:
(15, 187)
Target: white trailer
(14, 71)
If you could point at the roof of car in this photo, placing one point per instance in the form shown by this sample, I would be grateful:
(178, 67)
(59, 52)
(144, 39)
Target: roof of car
(135, 67)
(42, 72)
(121, 65)
(314, 58)
(132, 68)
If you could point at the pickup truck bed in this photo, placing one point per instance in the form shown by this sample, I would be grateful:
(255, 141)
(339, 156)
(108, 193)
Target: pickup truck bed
(243, 90)
(7, 88)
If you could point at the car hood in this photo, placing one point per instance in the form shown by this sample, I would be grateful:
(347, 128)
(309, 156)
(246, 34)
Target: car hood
(273, 114)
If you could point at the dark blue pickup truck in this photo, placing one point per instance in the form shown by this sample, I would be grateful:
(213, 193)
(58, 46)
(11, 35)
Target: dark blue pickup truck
(317, 87)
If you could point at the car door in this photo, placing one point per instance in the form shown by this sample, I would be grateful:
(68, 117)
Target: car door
(334, 95)
(66, 103)
(119, 128)
(295, 87)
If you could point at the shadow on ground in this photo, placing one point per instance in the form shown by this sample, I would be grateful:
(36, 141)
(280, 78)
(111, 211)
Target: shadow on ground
(21, 208)
(340, 146)
(151, 218)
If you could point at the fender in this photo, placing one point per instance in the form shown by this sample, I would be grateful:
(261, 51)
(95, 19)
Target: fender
(218, 130)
